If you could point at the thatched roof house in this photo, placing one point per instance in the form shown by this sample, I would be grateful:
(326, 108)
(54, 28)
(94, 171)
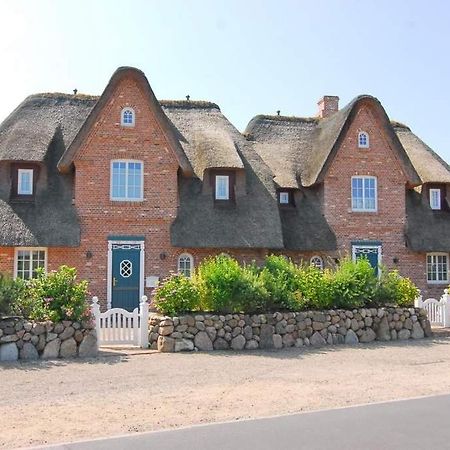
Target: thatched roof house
(273, 153)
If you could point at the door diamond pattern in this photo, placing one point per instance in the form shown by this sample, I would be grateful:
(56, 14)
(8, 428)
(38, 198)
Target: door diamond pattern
(126, 268)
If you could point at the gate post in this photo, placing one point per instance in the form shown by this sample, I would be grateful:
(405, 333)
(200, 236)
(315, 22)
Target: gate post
(446, 309)
(418, 303)
(95, 308)
(143, 312)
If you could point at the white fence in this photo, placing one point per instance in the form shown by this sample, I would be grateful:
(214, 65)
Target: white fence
(118, 326)
(438, 310)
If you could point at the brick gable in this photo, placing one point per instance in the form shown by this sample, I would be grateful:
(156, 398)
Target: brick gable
(99, 216)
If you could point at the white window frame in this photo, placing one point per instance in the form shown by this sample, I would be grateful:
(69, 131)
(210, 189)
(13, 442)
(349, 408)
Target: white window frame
(364, 177)
(191, 260)
(19, 181)
(122, 117)
(126, 199)
(216, 193)
(435, 254)
(284, 195)
(367, 144)
(316, 261)
(29, 249)
(439, 205)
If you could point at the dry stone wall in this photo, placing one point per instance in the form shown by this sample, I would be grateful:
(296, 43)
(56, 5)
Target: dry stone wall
(22, 339)
(274, 331)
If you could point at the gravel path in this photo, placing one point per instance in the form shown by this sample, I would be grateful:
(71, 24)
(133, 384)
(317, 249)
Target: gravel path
(49, 402)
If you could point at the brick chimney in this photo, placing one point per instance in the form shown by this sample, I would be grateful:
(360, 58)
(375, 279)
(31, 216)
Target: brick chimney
(328, 105)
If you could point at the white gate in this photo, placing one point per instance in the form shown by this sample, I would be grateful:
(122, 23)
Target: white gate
(118, 326)
(438, 311)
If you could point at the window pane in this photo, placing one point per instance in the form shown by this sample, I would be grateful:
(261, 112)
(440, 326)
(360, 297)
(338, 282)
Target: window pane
(25, 182)
(119, 180)
(222, 187)
(134, 180)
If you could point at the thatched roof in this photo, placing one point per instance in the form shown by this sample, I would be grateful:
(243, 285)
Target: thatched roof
(51, 220)
(253, 222)
(429, 165)
(299, 150)
(427, 230)
(294, 152)
(304, 227)
(208, 139)
(26, 134)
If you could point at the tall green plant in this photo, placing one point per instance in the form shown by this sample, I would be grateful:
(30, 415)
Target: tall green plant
(225, 286)
(281, 278)
(10, 290)
(353, 284)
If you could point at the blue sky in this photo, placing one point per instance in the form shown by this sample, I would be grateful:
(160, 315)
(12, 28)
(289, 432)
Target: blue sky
(250, 57)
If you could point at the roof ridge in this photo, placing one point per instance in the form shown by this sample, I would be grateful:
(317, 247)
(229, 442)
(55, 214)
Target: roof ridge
(285, 118)
(63, 95)
(188, 104)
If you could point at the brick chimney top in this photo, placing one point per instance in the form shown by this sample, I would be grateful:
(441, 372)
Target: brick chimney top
(328, 105)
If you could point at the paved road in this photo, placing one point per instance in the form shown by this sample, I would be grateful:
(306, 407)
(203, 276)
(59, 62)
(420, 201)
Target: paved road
(409, 424)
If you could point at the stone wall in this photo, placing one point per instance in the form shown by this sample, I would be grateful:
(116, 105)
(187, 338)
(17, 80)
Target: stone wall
(242, 331)
(22, 339)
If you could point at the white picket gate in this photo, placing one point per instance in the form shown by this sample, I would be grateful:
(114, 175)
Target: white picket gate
(118, 326)
(438, 311)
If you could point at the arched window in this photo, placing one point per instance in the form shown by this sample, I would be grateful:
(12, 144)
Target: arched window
(316, 261)
(127, 117)
(363, 139)
(186, 264)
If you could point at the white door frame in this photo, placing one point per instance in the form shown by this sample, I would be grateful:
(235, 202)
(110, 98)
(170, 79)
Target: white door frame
(109, 275)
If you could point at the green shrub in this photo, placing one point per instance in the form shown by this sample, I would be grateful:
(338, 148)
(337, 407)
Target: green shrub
(177, 294)
(353, 284)
(225, 286)
(281, 278)
(55, 296)
(10, 290)
(315, 287)
(394, 289)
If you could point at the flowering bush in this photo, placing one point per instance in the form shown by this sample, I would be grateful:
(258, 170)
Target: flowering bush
(55, 296)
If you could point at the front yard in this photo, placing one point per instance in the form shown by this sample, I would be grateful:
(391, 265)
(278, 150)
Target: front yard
(55, 401)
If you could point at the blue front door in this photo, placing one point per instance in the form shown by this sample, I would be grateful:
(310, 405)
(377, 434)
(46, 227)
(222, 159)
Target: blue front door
(126, 276)
(372, 253)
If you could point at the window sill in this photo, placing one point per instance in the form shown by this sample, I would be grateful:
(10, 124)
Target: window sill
(437, 283)
(364, 211)
(126, 200)
(22, 199)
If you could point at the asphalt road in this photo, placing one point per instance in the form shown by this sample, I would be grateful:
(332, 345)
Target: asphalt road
(409, 424)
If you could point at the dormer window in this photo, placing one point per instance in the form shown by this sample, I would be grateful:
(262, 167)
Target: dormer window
(222, 191)
(363, 139)
(25, 182)
(23, 178)
(127, 117)
(286, 198)
(435, 199)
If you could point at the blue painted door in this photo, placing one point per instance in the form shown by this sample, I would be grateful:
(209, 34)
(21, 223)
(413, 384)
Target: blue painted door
(371, 253)
(125, 276)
